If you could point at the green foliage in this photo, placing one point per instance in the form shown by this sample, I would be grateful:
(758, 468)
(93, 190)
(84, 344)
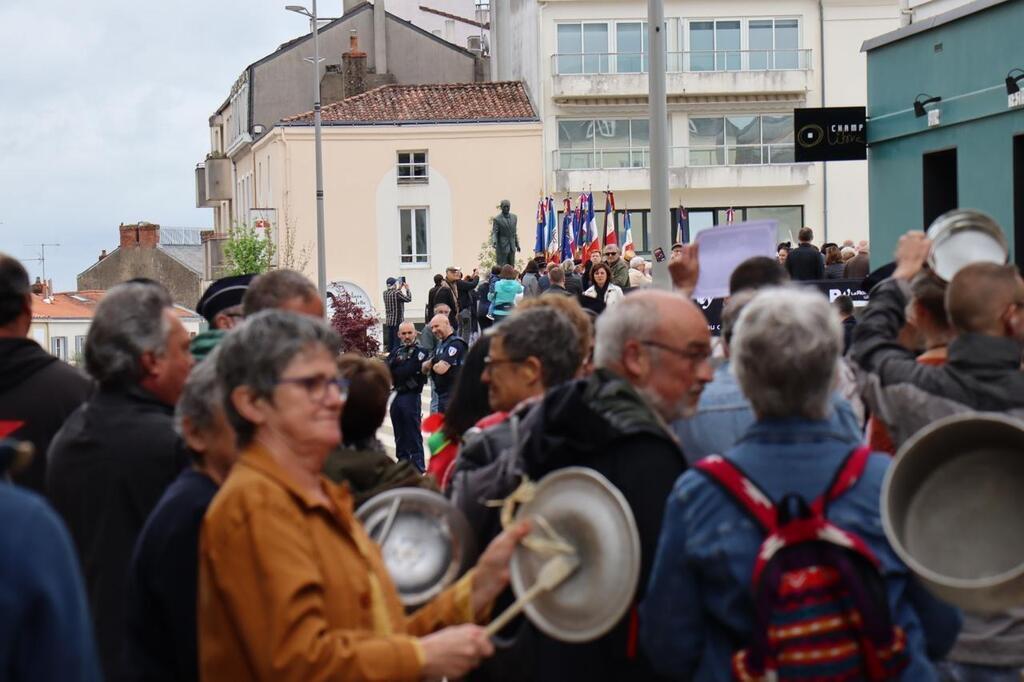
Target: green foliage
(486, 259)
(247, 252)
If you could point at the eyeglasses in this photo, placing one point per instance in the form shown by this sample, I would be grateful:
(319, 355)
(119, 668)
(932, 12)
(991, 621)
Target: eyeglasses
(489, 361)
(611, 253)
(316, 385)
(693, 356)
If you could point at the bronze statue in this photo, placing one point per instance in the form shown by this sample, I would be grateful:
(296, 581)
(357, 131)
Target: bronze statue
(504, 237)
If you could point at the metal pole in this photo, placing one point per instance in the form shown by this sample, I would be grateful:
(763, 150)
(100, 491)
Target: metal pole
(660, 233)
(321, 253)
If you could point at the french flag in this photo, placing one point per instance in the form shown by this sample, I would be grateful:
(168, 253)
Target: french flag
(540, 242)
(627, 225)
(609, 219)
(553, 253)
(581, 228)
(594, 243)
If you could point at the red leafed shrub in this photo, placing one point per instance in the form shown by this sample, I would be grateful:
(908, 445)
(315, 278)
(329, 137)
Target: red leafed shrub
(353, 323)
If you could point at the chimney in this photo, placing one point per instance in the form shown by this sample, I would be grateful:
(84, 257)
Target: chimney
(38, 287)
(149, 235)
(103, 254)
(380, 37)
(353, 68)
(129, 236)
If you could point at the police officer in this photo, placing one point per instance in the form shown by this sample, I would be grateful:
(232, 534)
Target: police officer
(446, 360)
(406, 363)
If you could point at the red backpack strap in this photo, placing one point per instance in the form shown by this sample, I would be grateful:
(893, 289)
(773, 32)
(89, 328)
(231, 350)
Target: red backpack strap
(846, 477)
(750, 497)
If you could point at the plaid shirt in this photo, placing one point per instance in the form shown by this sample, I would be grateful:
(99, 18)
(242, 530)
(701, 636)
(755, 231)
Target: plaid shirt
(394, 305)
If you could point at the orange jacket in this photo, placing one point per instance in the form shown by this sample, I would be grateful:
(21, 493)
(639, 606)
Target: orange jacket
(289, 590)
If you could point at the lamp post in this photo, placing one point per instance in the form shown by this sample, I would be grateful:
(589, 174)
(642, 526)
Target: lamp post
(658, 104)
(321, 254)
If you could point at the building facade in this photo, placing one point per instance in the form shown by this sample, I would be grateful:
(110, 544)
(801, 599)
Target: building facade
(967, 150)
(394, 50)
(172, 256)
(61, 321)
(736, 70)
(412, 176)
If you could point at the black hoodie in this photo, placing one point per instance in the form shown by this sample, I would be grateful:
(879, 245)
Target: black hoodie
(603, 423)
(37, 393)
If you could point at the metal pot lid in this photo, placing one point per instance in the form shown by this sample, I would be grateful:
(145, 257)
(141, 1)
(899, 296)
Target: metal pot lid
(585, 509)
(963, 236)
(425, 541)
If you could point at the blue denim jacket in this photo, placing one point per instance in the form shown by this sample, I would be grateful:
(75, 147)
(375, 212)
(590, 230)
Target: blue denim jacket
(724, 414)
(698, 609)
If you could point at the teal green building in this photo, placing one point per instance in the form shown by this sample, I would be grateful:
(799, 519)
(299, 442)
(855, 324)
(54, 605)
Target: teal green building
(967, 149)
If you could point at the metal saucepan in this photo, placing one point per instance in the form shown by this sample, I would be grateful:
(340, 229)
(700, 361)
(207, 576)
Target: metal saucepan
(953, 509)
(964, 236)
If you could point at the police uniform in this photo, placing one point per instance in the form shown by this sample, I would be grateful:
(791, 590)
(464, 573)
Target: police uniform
(406, 365)
(453, 351)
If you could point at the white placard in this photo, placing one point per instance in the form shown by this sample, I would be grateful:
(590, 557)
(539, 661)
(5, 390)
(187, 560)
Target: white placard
(723, 248)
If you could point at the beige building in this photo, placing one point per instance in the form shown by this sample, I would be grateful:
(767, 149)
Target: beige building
(412, 176)
(736, 71)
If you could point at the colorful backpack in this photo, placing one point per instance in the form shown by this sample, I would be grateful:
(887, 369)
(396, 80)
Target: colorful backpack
(821, 611)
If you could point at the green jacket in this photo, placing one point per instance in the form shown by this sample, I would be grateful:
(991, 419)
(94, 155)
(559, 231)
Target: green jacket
(201, 345)
(368, 471)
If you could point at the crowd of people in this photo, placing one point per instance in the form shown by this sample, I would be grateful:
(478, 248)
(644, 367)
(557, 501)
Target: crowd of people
(808, 262)
(190, 510)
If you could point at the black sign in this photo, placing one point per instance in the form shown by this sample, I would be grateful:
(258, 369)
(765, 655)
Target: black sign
(830, 288)
(830, 134)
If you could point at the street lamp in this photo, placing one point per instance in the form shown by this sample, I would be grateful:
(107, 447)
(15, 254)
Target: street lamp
(321, 254)
(658, 130)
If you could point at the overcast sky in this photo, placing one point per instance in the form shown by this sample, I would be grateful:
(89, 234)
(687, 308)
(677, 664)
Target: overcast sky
(103, 114)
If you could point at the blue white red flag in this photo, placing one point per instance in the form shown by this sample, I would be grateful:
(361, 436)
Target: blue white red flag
(610, 237)
(540, 243)
(627, 241)
(594, 238)
(580, 227)
(682, 226)
(552, 230)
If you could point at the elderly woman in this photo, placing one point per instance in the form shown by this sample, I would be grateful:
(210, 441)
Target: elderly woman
(290, 585)
(699, 606)
(638, 275)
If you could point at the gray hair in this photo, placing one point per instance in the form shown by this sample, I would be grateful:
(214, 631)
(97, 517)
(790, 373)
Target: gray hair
(632, 318)
(568, 266)
(637, 262)
(128, 322)
(257, 352)
(201, 397)
(546, 334)
(785, 352)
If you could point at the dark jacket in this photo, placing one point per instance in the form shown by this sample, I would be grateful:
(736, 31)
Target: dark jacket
(161, 636)
(45, 629)
(368, 470)
(849, 324)
(557, 290)
(465, 288)
(37, 393)
(482, 302)
(447, 293)
(108, 467)
(857, 267)
(805, 263)
(982, 373)
(573, 283)
(835, 270)
(599, 422)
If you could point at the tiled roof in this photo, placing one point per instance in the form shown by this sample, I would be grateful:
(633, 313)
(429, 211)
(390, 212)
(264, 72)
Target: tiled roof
(79, 305)
(456, 17)
(441, 103)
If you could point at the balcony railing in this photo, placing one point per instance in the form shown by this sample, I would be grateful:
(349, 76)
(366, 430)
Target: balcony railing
(696, 61)
(680, 157)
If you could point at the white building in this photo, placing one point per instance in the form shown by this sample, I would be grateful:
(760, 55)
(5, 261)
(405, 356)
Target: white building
(61, 321)
(462, 22)
(736, 71)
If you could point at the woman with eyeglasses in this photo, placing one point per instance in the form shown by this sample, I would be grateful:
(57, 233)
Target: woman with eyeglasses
(290, 585)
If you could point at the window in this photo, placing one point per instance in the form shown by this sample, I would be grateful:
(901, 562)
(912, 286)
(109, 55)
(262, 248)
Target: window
(715, 45)
(741, 140)
(603, 143)
(413, 224)
(59, 347)
(412, 167)
(631, 47)
(582, 48)
(79, 345)
(773, 43)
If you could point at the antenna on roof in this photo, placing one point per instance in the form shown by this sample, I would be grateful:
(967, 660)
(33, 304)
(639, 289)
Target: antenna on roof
(42, 257)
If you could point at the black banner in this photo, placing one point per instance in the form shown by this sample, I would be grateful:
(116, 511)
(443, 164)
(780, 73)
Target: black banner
(830, 288)
(830, 134)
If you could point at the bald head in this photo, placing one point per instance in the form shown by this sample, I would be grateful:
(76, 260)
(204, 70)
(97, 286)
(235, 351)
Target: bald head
(980, 297)
(441, 327)
(407, 333)
(659, 342)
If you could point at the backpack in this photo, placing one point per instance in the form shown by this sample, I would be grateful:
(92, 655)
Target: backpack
(821, 611)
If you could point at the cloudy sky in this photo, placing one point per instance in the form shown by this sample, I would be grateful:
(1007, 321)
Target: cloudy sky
(103, 113)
